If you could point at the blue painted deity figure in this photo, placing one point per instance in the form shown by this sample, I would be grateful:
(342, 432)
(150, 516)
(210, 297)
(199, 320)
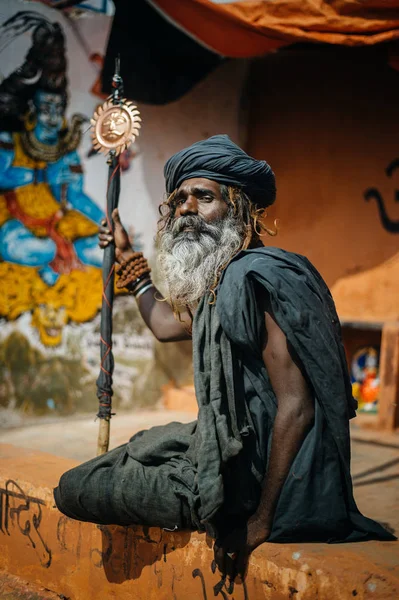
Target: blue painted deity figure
(46, 219)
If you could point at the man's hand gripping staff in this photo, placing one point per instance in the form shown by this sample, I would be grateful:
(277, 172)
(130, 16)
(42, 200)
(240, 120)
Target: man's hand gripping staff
(132, 267)
(135, 276)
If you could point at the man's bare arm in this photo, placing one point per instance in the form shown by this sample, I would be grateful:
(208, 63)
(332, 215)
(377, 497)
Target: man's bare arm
(160, 319)
(294, 418)
(156, 312)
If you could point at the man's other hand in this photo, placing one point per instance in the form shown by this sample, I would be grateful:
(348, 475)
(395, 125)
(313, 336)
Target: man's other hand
(123, 247)
(232, 552)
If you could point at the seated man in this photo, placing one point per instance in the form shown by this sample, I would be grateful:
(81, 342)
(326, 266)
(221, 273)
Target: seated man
(269, 456)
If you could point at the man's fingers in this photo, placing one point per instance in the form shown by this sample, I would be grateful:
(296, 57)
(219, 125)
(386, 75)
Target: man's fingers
(225, 563)
(115, 216)
(241, 564)
(219, 558)
(230, 563)
(230, 586)
(104, 240)
(121, 236)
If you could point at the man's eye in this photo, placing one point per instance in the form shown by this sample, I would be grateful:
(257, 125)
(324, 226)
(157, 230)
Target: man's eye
(207, 198)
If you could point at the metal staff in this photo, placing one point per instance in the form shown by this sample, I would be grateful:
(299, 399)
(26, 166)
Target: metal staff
(114, 127)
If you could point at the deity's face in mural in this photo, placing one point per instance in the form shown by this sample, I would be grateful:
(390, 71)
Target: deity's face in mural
(50, 321)
(75, 298)
(50, 110)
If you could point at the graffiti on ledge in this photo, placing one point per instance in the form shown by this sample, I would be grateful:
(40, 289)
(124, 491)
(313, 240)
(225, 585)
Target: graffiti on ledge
(24, 513)
(124, 552)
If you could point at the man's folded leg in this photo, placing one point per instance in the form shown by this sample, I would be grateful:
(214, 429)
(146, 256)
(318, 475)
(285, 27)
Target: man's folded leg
(114, 488)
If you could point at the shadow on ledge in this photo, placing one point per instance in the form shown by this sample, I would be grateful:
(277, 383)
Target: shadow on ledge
(127, 550)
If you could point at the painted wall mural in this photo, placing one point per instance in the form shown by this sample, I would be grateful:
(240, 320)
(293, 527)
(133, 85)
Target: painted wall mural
(48, 224)
(101, 6)
(50, 262)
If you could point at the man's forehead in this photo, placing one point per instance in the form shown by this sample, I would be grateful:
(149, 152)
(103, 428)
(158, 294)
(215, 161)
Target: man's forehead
(189, 185)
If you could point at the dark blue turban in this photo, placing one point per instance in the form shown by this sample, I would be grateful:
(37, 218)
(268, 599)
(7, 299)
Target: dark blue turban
(219, 159)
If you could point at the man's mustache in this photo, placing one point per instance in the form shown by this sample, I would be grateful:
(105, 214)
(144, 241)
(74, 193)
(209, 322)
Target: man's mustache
(196, 224)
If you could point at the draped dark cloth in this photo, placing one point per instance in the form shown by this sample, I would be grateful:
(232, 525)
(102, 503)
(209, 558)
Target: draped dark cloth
(316, 502)
(220, 159)
(215, 466)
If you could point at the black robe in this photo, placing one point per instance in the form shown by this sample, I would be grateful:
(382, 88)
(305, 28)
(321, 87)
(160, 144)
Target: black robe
(316, 502)
(216, 465)
(237, 406)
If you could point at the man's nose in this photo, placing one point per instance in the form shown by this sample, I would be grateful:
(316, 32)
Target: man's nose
(189, 206)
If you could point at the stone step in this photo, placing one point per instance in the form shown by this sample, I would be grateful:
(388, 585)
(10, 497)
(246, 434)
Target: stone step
(82, 561)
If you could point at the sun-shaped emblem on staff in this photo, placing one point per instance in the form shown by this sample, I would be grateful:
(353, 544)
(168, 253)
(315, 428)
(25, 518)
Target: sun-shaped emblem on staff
(115, 126)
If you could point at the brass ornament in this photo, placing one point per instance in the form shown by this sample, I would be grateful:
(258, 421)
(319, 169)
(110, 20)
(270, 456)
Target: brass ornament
(115, 126)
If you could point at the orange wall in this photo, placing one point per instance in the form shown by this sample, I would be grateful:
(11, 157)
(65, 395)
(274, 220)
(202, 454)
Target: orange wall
(327, 120)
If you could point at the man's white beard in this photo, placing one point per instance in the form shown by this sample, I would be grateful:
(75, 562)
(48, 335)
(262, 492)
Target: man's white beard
(191, 261)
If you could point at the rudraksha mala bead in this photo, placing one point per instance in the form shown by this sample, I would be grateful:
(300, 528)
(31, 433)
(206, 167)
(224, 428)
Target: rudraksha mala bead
(131, 270)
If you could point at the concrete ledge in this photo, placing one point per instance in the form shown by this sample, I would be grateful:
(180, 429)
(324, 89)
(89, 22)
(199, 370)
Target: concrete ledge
(13, 588)
(80, 561)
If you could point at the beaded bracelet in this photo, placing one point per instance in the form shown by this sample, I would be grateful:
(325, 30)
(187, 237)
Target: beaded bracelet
(132, 270)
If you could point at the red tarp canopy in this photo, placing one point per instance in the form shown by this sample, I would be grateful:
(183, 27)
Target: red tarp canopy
(254, 27)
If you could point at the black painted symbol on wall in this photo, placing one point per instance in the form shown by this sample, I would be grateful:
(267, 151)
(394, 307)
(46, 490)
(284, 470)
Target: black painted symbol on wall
(65, 537)
(198, 573)
(23, 513)
(373, 194)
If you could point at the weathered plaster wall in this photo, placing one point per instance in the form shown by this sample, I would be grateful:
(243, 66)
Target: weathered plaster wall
(326, 120)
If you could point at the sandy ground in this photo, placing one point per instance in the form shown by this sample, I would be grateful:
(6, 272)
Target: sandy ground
(375, 462)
